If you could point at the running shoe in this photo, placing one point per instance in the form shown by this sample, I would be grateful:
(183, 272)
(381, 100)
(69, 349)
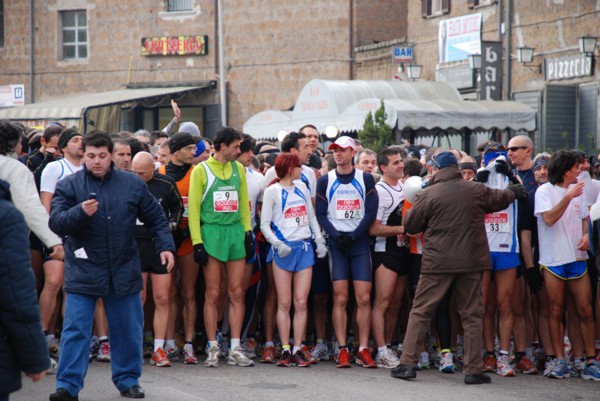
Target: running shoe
(212, 357)
(94, 348)
(503, 367)
(286, 359)
(249, 346)
(526, 366)
(237, 357)
(489, 363)
(268, 355)
(365, 360)
(148, 347)
(159, 359)
(387, 359)
(549, 366)
(299, 360)
(423, 361)
(172, 353)
(343, 359)
(53, 367)
(591, 371)
(308, 356)
(577, 367)
(189, 356)
(104, 352)
(52, 346)
(320, 352)
(560, 370)
(447, 363)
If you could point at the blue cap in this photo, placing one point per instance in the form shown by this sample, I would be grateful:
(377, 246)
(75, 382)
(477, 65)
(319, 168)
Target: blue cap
(444, 159)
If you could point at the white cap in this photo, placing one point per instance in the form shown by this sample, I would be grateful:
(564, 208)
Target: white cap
(343, 142)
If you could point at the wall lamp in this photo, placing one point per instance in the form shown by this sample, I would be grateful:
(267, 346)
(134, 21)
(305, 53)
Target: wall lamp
(413, 71)
(475, 61)
(525, 56)
(587, 45)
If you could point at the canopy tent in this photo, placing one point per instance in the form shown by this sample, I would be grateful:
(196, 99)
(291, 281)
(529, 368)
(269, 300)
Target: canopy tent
(266, 124)
(442, 114)
(103, 109)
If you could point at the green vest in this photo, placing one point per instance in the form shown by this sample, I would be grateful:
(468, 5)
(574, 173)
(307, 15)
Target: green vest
(220, 200)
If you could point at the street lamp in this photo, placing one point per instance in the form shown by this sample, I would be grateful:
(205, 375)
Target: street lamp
(281, 134)
(331, 132)
(475, 61)
(587, 45)
(525, 56)
(414, 71)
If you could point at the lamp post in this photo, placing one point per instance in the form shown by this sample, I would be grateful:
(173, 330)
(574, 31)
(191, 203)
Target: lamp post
(475, 65)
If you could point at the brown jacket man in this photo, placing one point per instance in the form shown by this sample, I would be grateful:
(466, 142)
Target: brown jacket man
(450, 212)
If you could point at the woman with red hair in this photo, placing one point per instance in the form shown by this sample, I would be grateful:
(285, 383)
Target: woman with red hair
(288, 222)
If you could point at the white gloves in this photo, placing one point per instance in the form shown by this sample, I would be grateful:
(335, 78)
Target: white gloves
(321, 248)
(282, 249)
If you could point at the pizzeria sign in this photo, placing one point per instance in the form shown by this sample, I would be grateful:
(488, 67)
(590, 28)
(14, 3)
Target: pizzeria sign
(175, 46)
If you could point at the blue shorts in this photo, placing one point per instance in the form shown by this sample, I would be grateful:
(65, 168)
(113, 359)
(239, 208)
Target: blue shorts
(355, 265)
(300, 258)
(504, 260)
(568, 271)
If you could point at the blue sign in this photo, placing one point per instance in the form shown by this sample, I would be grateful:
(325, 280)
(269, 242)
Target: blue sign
(403, 54)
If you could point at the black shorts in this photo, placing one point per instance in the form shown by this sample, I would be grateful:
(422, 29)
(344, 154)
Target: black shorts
(398, 263)
(149, 258)
(35, 243)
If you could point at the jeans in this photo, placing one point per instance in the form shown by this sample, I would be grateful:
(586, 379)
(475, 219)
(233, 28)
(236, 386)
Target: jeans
(125, 320)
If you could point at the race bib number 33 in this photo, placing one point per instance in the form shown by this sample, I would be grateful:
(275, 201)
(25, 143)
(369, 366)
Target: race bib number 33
(347, 209)
(225, 201)
(496, 222)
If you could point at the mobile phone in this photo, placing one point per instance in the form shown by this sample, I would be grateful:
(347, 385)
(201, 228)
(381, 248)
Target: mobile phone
(92, 195)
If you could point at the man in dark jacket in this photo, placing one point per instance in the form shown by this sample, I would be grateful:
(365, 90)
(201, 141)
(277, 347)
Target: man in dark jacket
(450, 212)
(22, 342)
(97, 209)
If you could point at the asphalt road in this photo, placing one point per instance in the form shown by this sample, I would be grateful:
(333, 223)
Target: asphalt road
(319, 382)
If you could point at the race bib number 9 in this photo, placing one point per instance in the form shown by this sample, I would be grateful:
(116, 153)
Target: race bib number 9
(225, 201)
(497, 222)
(295, 216)
(346, 209)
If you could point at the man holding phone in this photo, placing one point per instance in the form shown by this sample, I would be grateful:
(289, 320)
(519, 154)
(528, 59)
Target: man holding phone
(102, 261)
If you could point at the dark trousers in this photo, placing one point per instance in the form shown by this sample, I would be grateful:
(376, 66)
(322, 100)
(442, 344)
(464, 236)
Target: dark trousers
(430, 290)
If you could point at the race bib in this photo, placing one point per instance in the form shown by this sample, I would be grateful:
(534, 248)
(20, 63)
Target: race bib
(185, 206)
(497, 222)
(225, 201)
(295, 216)
(346, 209)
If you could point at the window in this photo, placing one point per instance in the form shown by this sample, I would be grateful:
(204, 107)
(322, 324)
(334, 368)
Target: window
(476, 3)
(434, 7)
(1, 23)
(179, 5)
(74, 35)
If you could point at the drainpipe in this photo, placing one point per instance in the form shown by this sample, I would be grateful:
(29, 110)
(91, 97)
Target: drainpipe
(507, 69)
(222, 82)
(350, 38)
(31, 60)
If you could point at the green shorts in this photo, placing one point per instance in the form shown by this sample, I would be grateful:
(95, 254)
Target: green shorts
(224, 243)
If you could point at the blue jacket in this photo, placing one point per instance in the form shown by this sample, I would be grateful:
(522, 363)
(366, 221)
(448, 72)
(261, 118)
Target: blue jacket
(22, 343)
(101, 256)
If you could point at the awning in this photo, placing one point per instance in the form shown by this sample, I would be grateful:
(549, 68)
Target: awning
(442, 114)
(266, 124)
(72, 109)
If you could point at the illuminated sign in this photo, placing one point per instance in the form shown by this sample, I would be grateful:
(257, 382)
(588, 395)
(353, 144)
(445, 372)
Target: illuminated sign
(175, 46)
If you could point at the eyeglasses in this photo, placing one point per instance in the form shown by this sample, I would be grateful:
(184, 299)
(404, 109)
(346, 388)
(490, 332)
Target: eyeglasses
(515, 148)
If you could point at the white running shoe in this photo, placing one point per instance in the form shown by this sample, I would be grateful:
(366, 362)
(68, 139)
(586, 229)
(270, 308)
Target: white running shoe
(387, 359)
(237, 357)
(53, 367)
(212, 357)
(503, 366)
(447, 363)
(321, 352)
(424, 361)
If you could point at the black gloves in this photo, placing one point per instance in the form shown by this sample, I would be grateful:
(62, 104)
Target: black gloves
(482, 176)
(518, 190)
(200, 255)
(502, 167)
(534, 278)
(344, 242)
(249, 245)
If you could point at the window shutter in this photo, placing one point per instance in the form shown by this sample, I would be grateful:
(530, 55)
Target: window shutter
(471, 3)
(445, 6)
(425, 8)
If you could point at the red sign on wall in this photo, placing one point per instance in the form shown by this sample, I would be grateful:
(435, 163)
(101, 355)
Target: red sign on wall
(175, 46)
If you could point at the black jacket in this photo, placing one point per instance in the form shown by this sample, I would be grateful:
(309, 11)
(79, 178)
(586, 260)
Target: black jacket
(22, 343)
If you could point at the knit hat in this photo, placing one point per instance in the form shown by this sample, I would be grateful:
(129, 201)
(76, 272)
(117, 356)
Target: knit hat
(444, 159)
(65, 137)
(190, 128)
(180, 140)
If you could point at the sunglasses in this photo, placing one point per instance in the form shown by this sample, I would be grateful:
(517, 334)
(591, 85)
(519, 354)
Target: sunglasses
(515, 148)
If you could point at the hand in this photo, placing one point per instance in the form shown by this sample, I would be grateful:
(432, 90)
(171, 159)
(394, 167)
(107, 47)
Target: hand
(534, 278)
(200, 255)
(321, 250)
(575, 190)
(584, 243)
(176, 110)
(482, 176)
(167, 258)
(502, 167)
(518, 190)
(58, 252)
(344, 242)
(90, 207)
(249, 245)
(36, 376)
(282, 248)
